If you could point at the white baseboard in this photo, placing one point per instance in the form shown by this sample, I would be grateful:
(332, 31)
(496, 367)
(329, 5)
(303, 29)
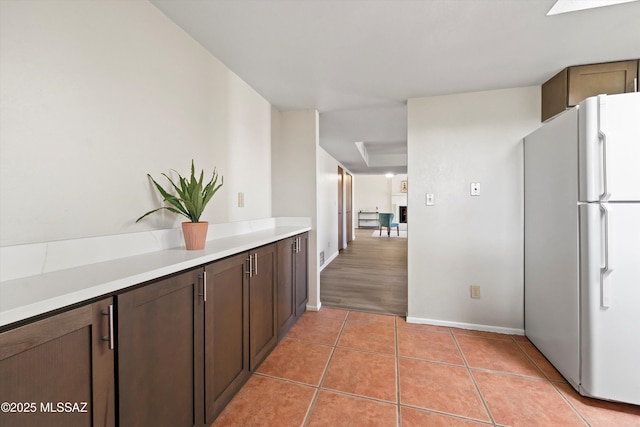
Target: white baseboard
(471, 326)
(314, 307)
(328, 261)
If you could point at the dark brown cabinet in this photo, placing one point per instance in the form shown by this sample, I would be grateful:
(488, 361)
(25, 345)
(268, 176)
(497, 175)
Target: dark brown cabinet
(262, 304)
(185, 345)
(240, 325)
(574, 84)
(226, 332)
(160, 366)
(68, 357)
(292, 280)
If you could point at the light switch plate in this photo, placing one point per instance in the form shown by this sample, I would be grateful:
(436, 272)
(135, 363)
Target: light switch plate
(430, 199)
(475, 188)
(241, 200)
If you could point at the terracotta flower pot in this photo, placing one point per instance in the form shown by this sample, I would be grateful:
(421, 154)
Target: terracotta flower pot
(195, 234)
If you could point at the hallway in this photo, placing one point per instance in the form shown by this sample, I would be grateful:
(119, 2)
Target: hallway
(369, 275)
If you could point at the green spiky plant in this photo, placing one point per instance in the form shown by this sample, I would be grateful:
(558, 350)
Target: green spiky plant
(192, 195)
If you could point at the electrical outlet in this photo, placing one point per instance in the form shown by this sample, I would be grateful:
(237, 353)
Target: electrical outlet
(475, 189)
(475, 291)
(241, 200)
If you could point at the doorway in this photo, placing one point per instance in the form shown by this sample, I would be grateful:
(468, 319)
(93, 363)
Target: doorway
(348, 188)
(341, 244)
(370, 273)
(345, 208)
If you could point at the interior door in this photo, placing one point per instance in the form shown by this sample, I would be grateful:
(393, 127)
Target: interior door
(349, 206)
(340, 208)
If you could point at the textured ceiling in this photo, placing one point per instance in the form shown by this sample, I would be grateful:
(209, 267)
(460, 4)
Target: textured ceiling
(358, 61)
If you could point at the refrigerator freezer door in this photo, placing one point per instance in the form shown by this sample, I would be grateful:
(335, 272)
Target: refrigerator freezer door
(610, 296)
(609, 148)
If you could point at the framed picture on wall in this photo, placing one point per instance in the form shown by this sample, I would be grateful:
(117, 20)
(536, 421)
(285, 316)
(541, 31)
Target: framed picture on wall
(403, 186)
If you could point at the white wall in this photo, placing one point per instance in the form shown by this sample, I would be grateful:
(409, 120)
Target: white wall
(95, 95)
(463, 240)
(294, 152)
(396, 183)
(371, 191)
(327, 206)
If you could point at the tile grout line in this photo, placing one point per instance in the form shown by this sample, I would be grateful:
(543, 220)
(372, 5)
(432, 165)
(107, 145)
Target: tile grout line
(533, 362)
(552, 383)
(465, 365)
(359, 396)
(566, 399)
(475, 384)
(324, 373)
(451, 415)
(521, 345)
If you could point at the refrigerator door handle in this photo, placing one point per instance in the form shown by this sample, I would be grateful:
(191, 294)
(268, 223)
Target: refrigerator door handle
(602, 134)
(605, 271)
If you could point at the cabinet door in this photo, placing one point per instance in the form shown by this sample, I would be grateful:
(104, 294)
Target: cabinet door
(301, 267)
(609, 78)
(158, 355)
(554, 95)
(286, 307)
(263, 331)
(226, 326)
(62, 358)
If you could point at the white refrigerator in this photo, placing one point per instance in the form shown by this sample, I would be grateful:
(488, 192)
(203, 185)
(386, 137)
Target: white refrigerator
(582, 245)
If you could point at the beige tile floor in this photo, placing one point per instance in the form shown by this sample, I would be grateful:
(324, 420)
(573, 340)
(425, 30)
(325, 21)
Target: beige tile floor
(349, 368)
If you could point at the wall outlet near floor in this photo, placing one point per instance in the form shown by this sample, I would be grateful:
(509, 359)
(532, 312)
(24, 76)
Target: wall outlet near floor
(475, 291)
(241, 200)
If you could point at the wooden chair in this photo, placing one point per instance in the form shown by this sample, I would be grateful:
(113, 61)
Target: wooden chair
(386, 220)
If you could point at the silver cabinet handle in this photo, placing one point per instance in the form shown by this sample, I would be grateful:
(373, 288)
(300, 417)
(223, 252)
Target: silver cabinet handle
(110, 337)
(250, 269)
(255, 264)
(204, 286)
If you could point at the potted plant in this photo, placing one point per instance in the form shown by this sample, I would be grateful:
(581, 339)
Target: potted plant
(192, 197)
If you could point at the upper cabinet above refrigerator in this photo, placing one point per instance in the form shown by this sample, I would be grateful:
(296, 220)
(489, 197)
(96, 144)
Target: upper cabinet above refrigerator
(574, 84)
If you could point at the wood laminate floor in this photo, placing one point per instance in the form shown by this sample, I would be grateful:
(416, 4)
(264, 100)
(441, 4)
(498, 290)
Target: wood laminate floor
(369, 275)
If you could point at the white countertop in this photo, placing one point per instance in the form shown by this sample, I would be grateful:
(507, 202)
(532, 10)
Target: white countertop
(23, 298)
